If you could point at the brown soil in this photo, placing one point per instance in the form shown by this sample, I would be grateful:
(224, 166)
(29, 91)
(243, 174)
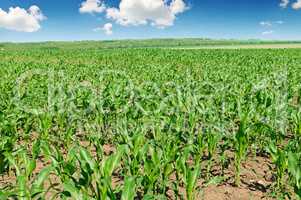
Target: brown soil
(226, 192)
(256, 180)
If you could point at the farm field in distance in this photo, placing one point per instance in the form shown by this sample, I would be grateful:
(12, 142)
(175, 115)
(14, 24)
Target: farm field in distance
(154, 119)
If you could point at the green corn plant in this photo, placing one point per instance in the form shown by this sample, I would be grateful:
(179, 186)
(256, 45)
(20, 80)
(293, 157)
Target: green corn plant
(95, 179)
(136, 150)
(241, 146)
(212, 142)
(189, 174)
(199, 147)
(224, 160)
(107, 169)
(191, 181)
(82, 187)
(37, 188)
(5, 195)
(6, 146)
(28, 185)
(280, 160)
(170, 151)
(45, 125)
(129, 190)
(294, 161)
(152, 170)
(297, 126)
(8, 139)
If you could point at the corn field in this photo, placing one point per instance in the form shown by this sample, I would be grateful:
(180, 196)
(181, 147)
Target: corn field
(149, 123)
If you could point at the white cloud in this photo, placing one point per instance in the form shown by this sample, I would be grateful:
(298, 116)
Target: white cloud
(284, 3)
(178, 6)
(297, 5)
(158, 13)
(266, 23)
(267, 32)
(107, 28)
(19, 19)
(92, 6)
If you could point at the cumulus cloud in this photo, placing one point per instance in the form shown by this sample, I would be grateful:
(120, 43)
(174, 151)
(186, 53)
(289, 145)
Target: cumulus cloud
(267, 32)
(178, 6)
(92, 6)
(107, 28)
(284, 3)
(19, 19)
(158, 13)
(297, 5)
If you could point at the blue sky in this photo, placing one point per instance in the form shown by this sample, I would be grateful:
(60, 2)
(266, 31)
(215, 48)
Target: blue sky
(237, 19)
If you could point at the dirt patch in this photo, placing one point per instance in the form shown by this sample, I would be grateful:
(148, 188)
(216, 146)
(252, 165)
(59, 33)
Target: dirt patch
(227, 192)
(256, 181)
